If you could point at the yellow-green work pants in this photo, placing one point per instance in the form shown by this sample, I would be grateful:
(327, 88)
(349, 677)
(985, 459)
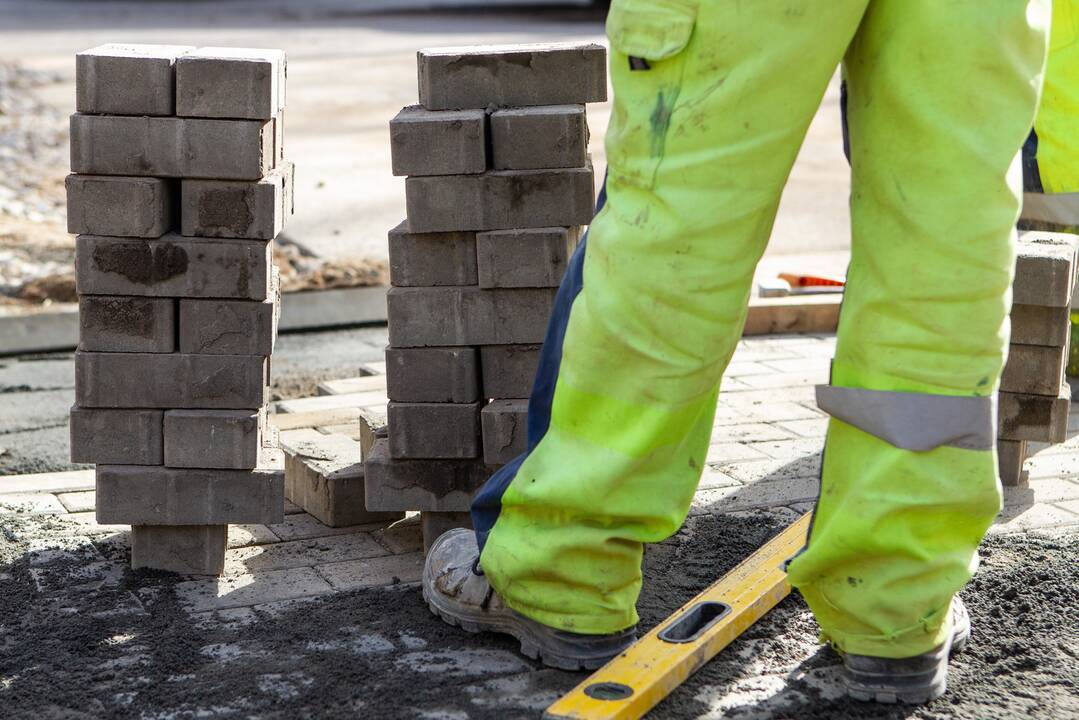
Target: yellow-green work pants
(702, 137)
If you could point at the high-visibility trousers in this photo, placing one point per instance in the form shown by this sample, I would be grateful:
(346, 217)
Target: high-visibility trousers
(711, 103)
(1051, 153)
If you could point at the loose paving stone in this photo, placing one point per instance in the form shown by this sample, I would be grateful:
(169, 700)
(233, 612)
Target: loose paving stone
(389, 570)
(549, 136)
(302, 553)
(508, 370)
(749, 432)
(402, 537)
(121, 79)
(432, 258)
(185, 549)
(226, 439)
(432, 375)
(452, 142)
(529, 257)
(120, 206)
(250, 534)
(227, 82)
(509, 75)
(752, 471)
(454, 316)
(732, 452)
(771, 493)
(127, 324)
(251, 209)
(245, 590)
(790, 449)
(302, 526)
(30, 504)
(116, 437)
(77, 501)
(229, 327)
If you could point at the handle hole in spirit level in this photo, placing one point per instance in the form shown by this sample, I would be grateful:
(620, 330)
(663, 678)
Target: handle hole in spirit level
(608, 691)
(694, 622)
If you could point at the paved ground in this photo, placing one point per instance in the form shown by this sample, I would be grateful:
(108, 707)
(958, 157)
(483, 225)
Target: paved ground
(350, 71)
(313, 621)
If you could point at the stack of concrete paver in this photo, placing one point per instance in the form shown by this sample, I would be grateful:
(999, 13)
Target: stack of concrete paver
(179, 188)
(1034, 397)
(499, 183)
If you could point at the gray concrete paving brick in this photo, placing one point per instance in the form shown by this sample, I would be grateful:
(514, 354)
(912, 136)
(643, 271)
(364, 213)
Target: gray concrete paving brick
(426, 259)
(450, 142)
(110, 323)
(431, 317)
(510, 75)
(250, 209)
(1039, 325)
(1034, 417)
(298, 553)
(119, 79)
(156, 495)
(372, 426)
(432, 485)
(508, 371)
(171, 147)
(175, 380)
(228, 327)
(235, 591)
(375, 572)
(1044, 269)
(530, 257)
(227, 439)
(82, 501)
(187, 549)
(225, 82)
(505, 430)
(1034, 370)
(433, 375)
(434, 430)
(120, 206)
(173, 266)
(434, 524)
(1011, 454)
(500, 200)
(116, 437)
(325, 475)
(529, 138)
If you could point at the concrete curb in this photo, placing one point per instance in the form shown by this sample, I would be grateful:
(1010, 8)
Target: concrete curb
(57, 328)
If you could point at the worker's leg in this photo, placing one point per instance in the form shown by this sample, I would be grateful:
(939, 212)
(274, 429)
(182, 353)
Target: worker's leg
(701, 141)
(941, 95)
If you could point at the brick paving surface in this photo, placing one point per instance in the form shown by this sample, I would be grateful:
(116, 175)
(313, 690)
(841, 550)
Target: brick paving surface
(765, 453)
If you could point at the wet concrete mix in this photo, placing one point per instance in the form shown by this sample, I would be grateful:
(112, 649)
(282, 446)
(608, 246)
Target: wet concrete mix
(82, 637)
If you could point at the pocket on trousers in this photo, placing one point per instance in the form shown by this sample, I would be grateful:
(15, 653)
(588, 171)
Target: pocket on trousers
(658, 32)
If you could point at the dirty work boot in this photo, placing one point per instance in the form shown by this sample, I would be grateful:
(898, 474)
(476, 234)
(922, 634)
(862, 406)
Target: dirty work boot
(914, 680)
(457, 591)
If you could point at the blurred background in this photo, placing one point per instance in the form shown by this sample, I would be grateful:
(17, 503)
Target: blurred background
(351, 68)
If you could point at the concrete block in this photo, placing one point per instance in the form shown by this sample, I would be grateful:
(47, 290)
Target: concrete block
(505, 430)
(1038, 325)
(434, 430)
(175, 380)
(552, 136)
(116, 437)
(279, 136)
(173, 266)
(171, 147)
(228, 439)
(434, 524)
(531, 257)
(109, 323)
(186, 549)
(1034, 370)
(435, 485)
(254, 210)
(118, 79)
(223, 82)
(449, 316)
(326, 475)
(372, 426)
(451, 142)
(1036, 418)
(428, 259)
(508, 75)
(508, 371)
(433, 375)
(1011, 455)
(120, 206)
(156, 495)
(228, 327)
(1044, 269)
(500, 200)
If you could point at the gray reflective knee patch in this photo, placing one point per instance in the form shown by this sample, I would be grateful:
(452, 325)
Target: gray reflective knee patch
(914, 421)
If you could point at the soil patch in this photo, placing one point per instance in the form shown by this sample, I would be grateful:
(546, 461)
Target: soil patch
(84, 636)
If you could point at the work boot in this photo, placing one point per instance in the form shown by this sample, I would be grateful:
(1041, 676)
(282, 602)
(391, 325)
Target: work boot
(914, 680)
(456, 590)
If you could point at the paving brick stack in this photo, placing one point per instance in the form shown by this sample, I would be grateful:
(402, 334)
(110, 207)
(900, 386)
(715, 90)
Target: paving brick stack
(1034, 397)
(179, 187)
(498, 185)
